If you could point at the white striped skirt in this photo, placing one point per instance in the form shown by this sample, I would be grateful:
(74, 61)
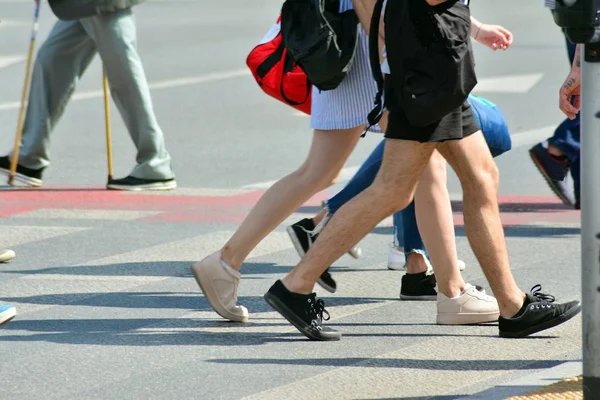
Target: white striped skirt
(348, 105)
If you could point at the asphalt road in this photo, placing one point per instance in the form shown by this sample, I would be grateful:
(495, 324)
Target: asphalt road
(107, 306)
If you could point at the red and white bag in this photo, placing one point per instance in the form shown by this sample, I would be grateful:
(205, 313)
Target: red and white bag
(277, 74)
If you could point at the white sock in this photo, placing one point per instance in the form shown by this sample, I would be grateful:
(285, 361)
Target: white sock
(230, 269)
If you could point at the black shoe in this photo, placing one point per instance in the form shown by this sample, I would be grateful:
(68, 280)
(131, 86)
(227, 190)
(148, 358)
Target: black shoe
(137, 184)
(554, 170)
(302, 236)
(419, 286)
(305, 312)
(539, 312)
(327, 282)
(23, 176)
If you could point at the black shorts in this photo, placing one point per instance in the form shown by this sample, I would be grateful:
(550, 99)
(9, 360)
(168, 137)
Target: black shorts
(459, 124)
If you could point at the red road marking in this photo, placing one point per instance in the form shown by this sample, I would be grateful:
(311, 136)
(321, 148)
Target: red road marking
(515, 210)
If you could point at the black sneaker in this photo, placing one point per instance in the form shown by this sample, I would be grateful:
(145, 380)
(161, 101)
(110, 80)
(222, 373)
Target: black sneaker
(554, 170)
(539, 312)
(24, 176)
(419, 286)
(302, 236)
(137, 184)
(327, 282)
(303, 311)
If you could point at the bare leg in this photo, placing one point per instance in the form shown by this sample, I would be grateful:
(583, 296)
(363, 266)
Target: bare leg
(479, 178)
(436, 225)
(328, 153)
(393, 189)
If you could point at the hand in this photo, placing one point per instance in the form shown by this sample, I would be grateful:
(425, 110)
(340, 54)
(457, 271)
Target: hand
(493, 36)
(571, 89)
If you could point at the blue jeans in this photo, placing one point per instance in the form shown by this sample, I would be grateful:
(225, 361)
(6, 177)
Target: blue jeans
(406, 231)
(566, 135)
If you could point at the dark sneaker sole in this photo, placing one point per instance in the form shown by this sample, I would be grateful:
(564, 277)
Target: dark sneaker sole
(327, 287)
(549, 180)
(144, 187)
(295, 241)
(432, 297)
(290, 316)
(22, 180)
(543, 326)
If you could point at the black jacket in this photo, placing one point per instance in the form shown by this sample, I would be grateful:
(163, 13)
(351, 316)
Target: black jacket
(76, 9)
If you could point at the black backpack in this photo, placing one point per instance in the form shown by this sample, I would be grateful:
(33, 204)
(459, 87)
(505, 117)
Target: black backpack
(430, 58)
(320, 39)
(77, 9)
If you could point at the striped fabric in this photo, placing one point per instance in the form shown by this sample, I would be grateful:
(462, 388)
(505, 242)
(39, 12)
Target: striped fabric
(347, 105)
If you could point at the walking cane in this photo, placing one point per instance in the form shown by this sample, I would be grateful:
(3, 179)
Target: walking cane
(107, 124)
(15, 157)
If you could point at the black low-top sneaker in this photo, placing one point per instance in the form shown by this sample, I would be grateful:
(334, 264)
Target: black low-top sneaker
(137, 184)
(23, 176)
(327, 282)
(539, 312)
(419, 286)
(305, 312)
(304, 234)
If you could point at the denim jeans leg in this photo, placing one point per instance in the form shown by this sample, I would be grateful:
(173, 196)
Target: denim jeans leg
(360, 181)
(398, 230)
(412, 237)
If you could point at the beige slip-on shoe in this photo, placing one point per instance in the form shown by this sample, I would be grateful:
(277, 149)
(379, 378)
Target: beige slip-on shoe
(220, 286)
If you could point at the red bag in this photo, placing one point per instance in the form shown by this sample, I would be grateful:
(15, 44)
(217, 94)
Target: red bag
(277, 74)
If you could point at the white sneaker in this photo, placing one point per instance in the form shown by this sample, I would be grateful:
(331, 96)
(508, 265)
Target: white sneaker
(6, 255)
(7, 313)
(396, 259)
(219, 284)
(470, 307)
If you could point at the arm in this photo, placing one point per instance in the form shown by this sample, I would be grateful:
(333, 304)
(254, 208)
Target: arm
(495, 37)
(571, 88)
(364, 12)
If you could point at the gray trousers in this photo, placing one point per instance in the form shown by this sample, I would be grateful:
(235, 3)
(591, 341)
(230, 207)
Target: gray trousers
(62, 60)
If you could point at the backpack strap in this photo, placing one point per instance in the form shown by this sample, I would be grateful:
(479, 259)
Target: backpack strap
(375, 115)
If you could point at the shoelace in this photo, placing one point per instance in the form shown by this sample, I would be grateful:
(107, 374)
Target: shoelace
(319, 312)
(321, 224)
(537, 293)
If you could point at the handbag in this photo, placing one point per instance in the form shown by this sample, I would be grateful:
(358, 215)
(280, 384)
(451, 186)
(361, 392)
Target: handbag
(493, 124)
(320, 39)
(430, 58)
(276, 72)
(77, 9)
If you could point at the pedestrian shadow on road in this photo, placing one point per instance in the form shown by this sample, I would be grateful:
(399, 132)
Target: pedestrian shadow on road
(517, 231)
(180, 269)
(188, 332)
(404, 363)
(162, 300)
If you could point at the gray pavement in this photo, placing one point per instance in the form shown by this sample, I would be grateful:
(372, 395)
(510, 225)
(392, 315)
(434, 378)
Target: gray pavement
(108, 308)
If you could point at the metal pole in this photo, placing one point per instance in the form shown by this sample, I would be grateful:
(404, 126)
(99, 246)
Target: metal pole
(590, 218)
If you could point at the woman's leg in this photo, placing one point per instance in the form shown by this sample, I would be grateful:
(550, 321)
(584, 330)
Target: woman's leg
(436, 224)
(329, 151)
